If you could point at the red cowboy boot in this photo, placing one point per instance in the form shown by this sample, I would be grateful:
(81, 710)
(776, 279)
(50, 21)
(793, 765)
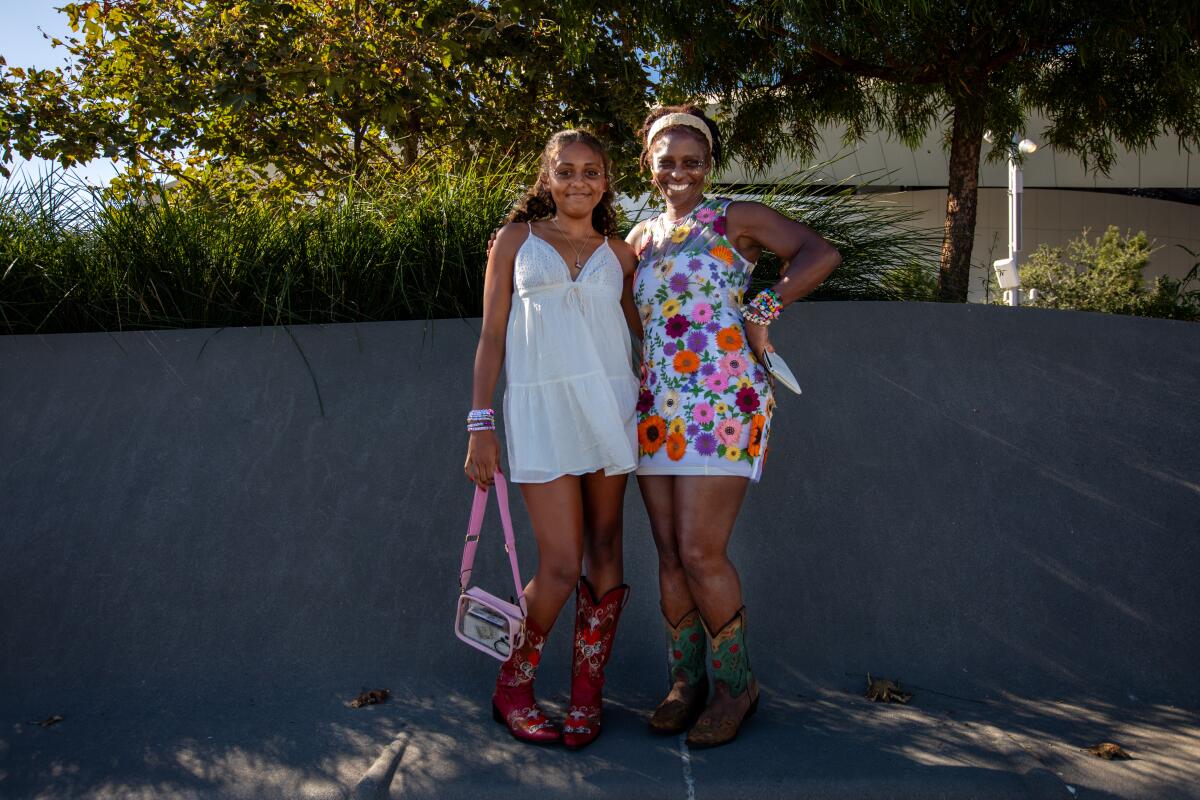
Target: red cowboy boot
(595, 627)
(513, 703)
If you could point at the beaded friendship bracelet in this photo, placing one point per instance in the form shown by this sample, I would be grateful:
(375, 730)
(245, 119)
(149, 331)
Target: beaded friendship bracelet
(764, 309)
(481, 419)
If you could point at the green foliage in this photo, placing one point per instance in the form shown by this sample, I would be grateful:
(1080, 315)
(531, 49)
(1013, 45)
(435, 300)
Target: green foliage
(311, 92)
(1102, 73)
(411, 246)
(1107, 275)
(883, 256)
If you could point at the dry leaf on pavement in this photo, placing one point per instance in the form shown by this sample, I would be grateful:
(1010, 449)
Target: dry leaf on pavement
(1108, 751)
(373, 697)
(48, 721)
(883, 690)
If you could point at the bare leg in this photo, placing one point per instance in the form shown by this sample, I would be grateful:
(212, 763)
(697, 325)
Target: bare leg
(603, 515)
(658, 493)
(706, 508)
(556, 513)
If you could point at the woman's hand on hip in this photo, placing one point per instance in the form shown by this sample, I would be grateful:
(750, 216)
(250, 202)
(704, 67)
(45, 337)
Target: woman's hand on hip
(758, 339)
(483, 458)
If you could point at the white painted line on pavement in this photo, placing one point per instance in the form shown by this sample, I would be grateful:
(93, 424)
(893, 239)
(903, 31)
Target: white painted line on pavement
(686, 755)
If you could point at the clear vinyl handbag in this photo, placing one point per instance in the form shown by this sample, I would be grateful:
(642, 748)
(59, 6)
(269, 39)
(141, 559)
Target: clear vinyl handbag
(482, 620)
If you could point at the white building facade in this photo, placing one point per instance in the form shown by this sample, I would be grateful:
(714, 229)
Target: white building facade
(1061, 198)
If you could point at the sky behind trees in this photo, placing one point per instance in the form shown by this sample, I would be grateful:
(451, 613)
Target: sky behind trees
(22, 45)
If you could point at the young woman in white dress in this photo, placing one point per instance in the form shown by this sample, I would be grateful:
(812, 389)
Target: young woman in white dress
(557, 308)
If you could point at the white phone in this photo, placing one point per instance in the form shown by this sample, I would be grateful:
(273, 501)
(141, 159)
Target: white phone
(779, 368)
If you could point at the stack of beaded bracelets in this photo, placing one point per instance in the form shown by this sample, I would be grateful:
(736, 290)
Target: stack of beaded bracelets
(764, 309)
(481, 419)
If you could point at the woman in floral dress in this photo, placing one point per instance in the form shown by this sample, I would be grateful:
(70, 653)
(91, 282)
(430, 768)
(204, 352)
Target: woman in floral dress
(704, 406)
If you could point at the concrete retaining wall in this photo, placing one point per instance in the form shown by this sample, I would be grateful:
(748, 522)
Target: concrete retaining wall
(974, 499)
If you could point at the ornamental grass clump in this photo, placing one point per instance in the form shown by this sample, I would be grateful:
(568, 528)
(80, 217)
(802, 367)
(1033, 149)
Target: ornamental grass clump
(408, 245)
(884, 255)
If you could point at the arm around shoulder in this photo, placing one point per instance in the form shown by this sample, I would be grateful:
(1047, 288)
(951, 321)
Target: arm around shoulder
(629, 263)
(636, 237)
(625, 254)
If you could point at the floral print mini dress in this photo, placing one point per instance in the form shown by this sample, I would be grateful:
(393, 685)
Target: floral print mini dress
(704, 404)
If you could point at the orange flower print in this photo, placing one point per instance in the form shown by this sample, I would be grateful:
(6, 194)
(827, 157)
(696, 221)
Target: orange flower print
(686, 362)
(757, 424)
(651, 433)
(676, 445)
(723, 253)
(729, 339)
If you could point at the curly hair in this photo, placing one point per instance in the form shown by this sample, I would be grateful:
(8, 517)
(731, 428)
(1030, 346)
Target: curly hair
(538, 203)
(718, 156)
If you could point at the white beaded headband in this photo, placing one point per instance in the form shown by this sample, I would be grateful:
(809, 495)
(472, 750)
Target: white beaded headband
(670, 120)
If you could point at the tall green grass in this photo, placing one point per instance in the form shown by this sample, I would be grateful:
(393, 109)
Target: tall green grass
(413, 247)
(410, 247)
(884, 255)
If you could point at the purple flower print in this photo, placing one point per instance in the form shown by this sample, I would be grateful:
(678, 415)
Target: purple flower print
(702, 313)
(717, 382)
(692, 430)
(747, 400)
(645, 401)
(705, 444)
(652, 378)
(713, 327)
(669, 349)
(719, 226)
(695, 264)
(697, 341)
(708, 369)
(677, 326)
(759, 375)
(679, 283)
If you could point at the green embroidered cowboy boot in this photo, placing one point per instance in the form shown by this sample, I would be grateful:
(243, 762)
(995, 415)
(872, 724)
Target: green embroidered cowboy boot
(735, 692)
(689, 682)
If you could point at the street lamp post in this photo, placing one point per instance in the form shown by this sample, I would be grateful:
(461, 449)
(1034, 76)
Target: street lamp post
(1008, 269)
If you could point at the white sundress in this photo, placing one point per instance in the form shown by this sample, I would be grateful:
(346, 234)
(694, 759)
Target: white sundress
(571, 394)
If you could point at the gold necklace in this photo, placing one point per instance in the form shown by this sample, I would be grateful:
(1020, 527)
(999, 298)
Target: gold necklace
(578, 250)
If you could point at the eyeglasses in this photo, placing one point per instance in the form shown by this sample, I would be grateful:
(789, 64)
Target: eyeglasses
(688, 165)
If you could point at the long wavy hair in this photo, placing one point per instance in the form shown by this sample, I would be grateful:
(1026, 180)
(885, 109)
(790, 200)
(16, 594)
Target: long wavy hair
(538, 203)
(718, 157)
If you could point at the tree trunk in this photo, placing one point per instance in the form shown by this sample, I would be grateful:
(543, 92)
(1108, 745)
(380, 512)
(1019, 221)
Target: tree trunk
(359, 132)
(958, 236)
(410, 141)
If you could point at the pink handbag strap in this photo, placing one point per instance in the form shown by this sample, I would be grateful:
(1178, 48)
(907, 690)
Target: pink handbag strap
(475, 526)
